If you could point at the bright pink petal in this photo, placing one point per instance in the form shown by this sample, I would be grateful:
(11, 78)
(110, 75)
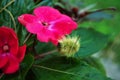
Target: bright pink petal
(12, 65)
(21, 53)
(34, 28)
(48, 36)
(65, 25)
(55, 37)
(3, 60)
(27, 19)
(45, 35)
(46, 13)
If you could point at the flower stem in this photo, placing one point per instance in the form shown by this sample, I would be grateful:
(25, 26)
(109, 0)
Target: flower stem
(7, 5)
(55, 70)
(12, 18)
(45, 54)
(1, 75)
(26, 38)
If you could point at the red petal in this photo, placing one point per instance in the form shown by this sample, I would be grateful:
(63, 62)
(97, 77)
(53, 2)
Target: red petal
(27, 19)
(12, 65)
(65, 25)
(3, 60)
(46, 13)
(8, 36)
(21, 53)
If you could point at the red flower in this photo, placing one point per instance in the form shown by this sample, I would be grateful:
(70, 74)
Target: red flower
(48, 23)
(10, 53)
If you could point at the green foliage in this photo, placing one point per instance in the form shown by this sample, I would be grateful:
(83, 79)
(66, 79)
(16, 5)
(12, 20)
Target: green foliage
(44, 3)
(16, 8)
(109, 26)
(94, 62)
(91, 41)
(44, 47)
(62, 68)
(26, 65)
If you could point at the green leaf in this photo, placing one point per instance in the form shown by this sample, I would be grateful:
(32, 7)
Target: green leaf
(73, 3)
(44, 47)
(17, 8)
(45, 3)
(22, 34)
(98, 16)
(62, 68)
(95, 63)
(91, 41)
(21, 74)
(26, 65)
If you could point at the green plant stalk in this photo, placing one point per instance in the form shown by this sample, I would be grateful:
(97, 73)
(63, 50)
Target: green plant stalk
(55, 70)
(27, 38)
(45, 54)
(1, 75)
(12, 19)
(7, 5)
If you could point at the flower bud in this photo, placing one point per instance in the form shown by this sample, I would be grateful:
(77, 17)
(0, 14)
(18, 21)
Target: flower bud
(68, 46)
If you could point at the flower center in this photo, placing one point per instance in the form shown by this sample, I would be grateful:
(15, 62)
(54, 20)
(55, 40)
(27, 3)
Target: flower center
(45, 24)
(5, 48)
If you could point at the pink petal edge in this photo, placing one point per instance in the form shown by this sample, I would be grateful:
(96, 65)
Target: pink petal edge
(27, 19)
(47, 13)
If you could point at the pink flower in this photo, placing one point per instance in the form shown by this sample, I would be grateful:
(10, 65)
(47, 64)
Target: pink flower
(48, 24)
(10, 53)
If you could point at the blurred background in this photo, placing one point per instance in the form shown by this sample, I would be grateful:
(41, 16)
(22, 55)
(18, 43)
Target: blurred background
(110, 56)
